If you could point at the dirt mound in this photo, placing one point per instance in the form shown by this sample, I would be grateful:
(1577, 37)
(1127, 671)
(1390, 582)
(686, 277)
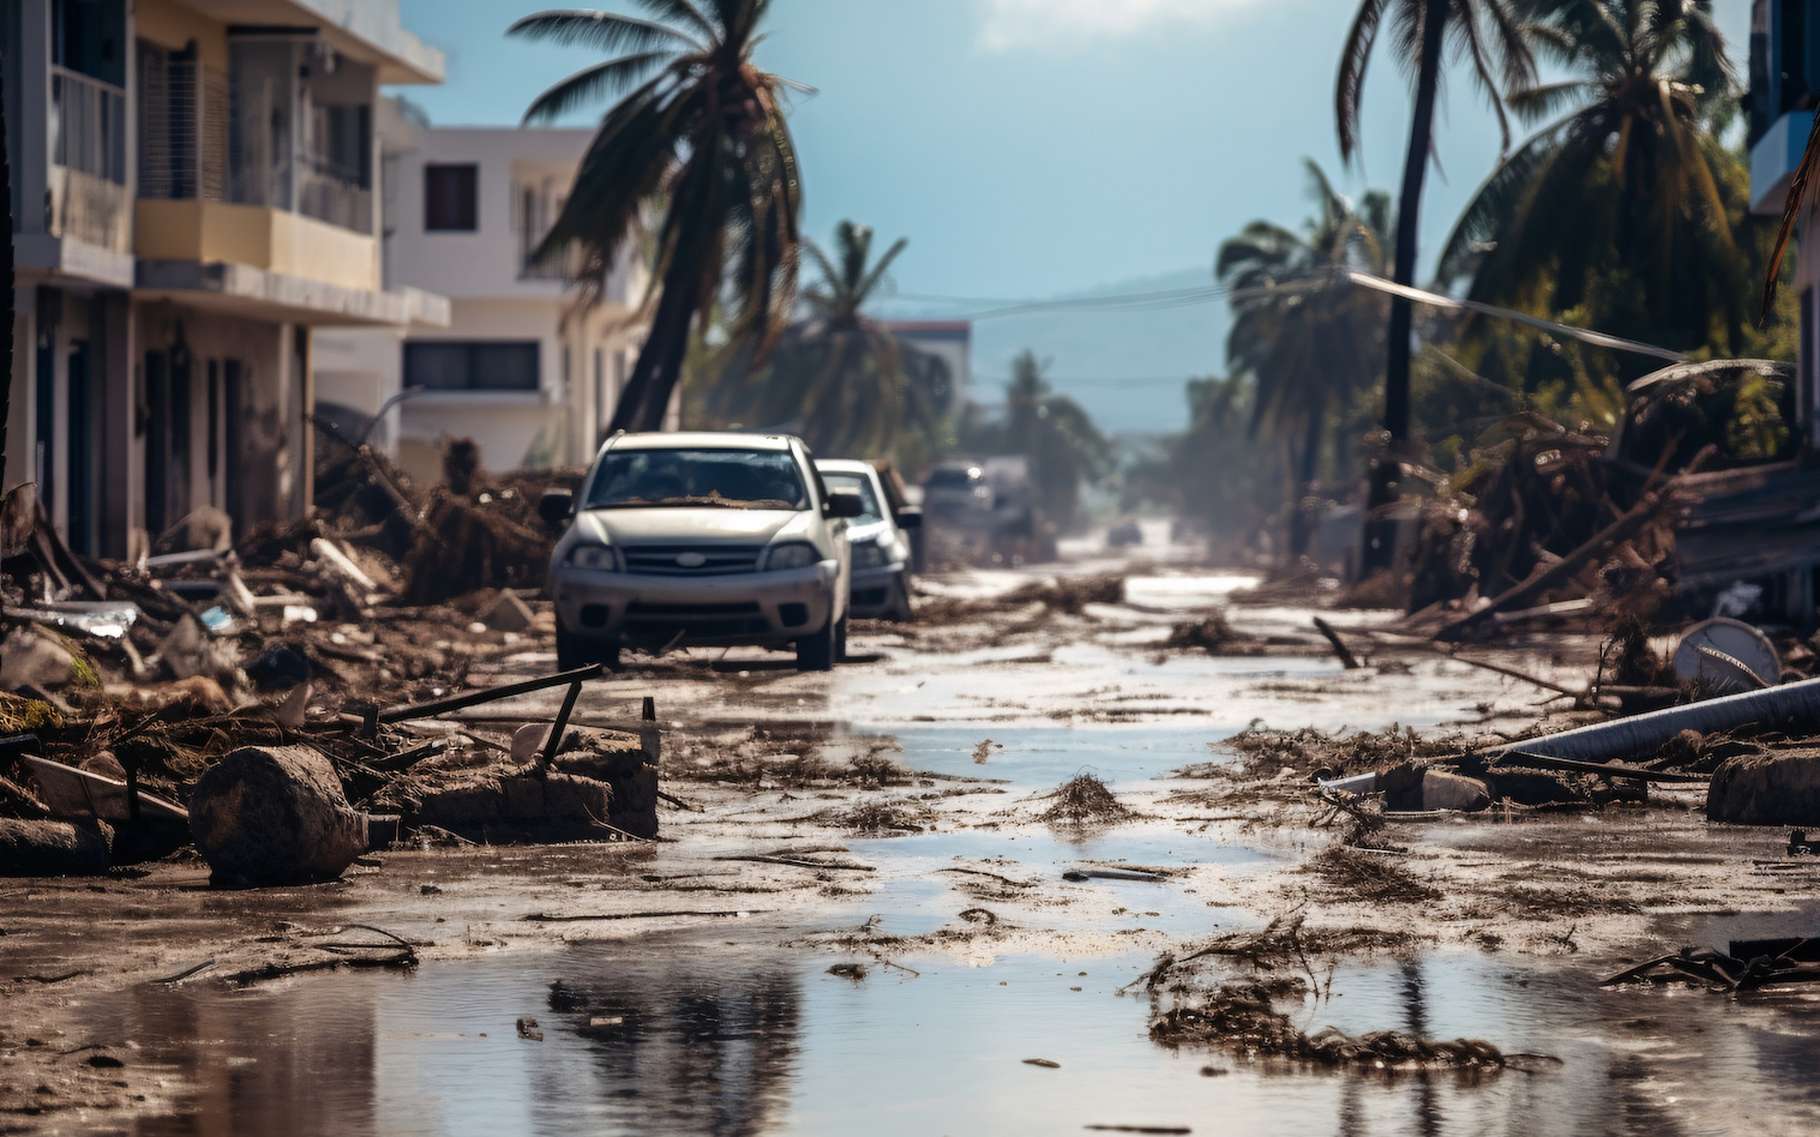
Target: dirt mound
(1084, 799)
(1241, 1017)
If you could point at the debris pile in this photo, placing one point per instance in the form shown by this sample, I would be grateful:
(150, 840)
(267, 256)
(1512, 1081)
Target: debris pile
(1084, 800)
(247, 681)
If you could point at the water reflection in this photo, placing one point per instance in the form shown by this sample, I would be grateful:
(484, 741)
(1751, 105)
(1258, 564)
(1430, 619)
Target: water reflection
(667, 1037)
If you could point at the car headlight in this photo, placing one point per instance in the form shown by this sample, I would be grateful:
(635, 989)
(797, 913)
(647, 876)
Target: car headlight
(794, 555)
(869, 554)
(598, 558)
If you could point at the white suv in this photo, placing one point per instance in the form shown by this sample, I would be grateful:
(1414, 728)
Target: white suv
(701, 539)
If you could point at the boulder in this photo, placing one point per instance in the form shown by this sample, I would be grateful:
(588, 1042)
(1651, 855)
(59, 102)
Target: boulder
(1412, 787)
(507, 613)
(54, 848)
(1442, 790)
(275, 815)
(1766, 789)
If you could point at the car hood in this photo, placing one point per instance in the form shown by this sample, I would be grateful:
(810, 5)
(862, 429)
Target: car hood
(689, 525)
(869, 531)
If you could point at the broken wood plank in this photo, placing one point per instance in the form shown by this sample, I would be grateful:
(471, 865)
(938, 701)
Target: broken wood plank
(1347, 660)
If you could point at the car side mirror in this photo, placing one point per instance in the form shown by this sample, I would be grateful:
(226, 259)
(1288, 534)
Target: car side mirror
(845, 503)
(555, 506)
(910, 517)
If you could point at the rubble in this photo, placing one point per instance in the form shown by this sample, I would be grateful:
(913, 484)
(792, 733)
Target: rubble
(54, 848)
(1776, 788)
(275, 815)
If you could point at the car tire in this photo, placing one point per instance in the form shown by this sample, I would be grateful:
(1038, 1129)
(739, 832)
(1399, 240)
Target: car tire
(817, 652)
(901, 610)
(573, 651)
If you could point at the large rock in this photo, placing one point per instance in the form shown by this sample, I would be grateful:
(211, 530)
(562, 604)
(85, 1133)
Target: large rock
(1442, 790)
(522, 802)
(275, 815)
(1766, 789)
(54, 848)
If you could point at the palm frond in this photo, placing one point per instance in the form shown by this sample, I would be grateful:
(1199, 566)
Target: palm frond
(1349, 89)
(683, 12)
(590, 84)
(603, 31)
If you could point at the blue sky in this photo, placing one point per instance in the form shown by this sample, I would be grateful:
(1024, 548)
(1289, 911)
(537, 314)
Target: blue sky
(1038, 148)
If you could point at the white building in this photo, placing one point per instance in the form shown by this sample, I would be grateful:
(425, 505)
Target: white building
(195, 189)
(527, 366)
(951, 341)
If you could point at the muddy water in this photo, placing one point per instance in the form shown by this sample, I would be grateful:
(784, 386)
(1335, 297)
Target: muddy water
(724, 1031)
(739, 1028)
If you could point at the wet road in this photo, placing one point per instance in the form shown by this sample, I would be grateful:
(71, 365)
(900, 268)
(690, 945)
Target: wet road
(737, 1026)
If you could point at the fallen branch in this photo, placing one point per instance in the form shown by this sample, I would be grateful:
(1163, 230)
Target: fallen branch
(662, 914)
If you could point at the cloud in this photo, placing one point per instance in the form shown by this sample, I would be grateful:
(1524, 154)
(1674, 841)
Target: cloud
(1021, 25)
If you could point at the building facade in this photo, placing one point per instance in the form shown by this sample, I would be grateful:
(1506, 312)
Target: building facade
(195, 190)
(1784, 92)
(528, 366)
(951, 341)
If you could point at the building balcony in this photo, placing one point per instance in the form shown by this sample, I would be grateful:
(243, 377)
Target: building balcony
(86, 230)
(1774, 159)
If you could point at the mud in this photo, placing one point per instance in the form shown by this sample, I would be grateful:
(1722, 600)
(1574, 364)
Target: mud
(847, 907)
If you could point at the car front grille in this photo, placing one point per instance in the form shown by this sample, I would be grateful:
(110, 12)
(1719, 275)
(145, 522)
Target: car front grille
(691, 560)
(661, 623)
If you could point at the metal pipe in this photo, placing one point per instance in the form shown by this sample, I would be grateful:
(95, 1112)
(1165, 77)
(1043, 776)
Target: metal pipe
(1642, 735)
(488, 694)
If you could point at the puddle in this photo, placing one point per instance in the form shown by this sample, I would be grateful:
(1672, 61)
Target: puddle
(1044, 757)
(696, 1037)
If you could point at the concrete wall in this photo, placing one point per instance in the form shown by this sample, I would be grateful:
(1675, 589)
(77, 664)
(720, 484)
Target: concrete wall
(271, 239)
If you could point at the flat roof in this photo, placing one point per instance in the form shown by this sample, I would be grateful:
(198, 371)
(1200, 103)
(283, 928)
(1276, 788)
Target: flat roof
(933, 327)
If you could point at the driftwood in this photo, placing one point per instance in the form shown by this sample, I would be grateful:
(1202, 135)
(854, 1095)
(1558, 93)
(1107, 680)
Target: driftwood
(1625, 527)
(1347, 660)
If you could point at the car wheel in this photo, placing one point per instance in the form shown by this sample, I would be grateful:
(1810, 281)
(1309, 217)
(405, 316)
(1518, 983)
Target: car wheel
(901, 609)
(816, 652)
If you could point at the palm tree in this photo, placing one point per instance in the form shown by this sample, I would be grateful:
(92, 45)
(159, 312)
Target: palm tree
(1058, 438)
(1310, 350)
(700, 124)
(6, 274)
(1489, 35)
(839, 378)
(1626, 175)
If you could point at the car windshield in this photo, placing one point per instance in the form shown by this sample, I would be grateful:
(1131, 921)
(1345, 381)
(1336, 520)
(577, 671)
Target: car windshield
(731, 479)
(861, 485)
(951, 479)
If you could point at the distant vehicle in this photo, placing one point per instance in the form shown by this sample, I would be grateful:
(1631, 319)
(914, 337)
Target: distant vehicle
(880, 539)
(701, 538)
(1125, 535)
(956, 488)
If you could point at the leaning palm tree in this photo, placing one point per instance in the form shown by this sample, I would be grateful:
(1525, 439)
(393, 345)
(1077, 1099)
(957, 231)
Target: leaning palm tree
(1625, 174)
(840, 378)
(1489, 35)
(699, 124)
(1301, 332)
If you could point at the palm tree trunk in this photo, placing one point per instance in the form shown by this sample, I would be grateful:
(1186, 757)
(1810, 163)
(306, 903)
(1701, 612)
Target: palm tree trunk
(7, 314)
(1380, 532)
(1302, 512)
(647, 394)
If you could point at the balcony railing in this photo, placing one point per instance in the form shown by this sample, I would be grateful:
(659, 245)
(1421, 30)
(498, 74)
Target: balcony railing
(335, 196)
(88, 125)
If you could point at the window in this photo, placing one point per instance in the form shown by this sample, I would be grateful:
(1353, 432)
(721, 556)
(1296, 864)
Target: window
(735, 479)
(442, 365)
(451, 198)
(861, 485)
